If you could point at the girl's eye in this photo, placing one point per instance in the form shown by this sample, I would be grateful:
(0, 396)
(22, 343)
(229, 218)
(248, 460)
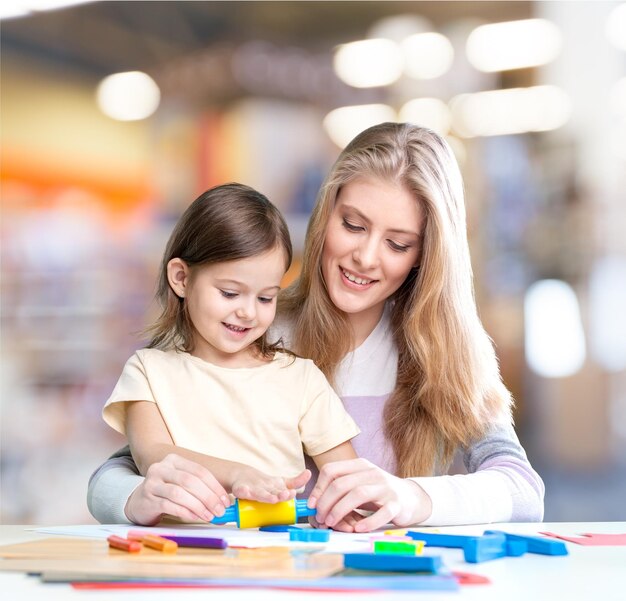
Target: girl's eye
(266, 299)
(351, 227)
(398, 247)
(227, 294)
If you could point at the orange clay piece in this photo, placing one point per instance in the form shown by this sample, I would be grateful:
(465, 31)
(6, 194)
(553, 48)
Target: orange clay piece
(123, 544)
(159, 543)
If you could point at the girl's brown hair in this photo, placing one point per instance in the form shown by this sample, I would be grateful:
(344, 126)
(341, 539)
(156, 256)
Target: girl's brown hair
(448, 387)
(226, 223)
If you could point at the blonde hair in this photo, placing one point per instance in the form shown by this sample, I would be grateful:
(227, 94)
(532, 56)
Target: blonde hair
(448, 387)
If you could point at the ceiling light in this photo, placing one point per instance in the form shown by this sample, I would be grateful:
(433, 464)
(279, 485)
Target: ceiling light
(368, 63)
(513, 45)
(399, 27)
(616, 26)
(553, 332)
(343, 124)
(128, 96)
(510, 111)
(429, 112)
(21, 8)
(427, 55)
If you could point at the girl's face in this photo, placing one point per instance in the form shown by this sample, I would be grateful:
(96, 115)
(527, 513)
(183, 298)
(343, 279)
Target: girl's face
(373, 239)
(231, 304)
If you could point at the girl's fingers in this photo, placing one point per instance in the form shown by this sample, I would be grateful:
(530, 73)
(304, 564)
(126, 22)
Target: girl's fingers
(298, 481)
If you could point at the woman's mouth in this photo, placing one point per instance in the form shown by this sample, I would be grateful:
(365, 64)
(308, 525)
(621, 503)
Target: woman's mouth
(355, 279)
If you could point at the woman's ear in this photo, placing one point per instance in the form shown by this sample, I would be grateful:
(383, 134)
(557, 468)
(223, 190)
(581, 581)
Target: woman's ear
(178, 276)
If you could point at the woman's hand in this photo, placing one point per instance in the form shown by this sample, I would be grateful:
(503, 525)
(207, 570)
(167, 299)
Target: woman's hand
(344, 486)
(347, 524)
(252, 484)
(177, 487)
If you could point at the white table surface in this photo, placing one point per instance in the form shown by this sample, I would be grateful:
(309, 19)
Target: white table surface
(588, 573)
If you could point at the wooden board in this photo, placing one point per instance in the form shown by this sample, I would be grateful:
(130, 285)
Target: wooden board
(80, 557)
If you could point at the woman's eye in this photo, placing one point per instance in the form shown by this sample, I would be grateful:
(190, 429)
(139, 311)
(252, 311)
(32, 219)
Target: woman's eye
(227, 294)
(351, 227)
(398, 247)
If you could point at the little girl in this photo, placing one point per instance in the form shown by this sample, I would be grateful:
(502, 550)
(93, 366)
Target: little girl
(209, 386)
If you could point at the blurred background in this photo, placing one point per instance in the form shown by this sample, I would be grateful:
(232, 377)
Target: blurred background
(116, 115)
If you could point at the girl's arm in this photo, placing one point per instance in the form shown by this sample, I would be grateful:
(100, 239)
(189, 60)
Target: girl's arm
(150, 443)
(341, 452)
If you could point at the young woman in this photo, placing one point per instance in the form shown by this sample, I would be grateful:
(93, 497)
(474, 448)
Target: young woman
(385, 307)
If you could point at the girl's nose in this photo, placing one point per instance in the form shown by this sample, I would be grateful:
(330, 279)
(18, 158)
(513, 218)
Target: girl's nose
(246, 310)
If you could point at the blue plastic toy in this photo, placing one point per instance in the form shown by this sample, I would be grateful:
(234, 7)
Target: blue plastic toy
(492, 544)
(476, 549)
(309, 535)
(535, 544)
(392, 562)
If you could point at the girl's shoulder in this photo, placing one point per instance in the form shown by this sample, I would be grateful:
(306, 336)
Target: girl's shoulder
(156, 356)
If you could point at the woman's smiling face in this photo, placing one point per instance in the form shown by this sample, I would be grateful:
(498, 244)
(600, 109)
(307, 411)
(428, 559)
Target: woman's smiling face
(373, 239)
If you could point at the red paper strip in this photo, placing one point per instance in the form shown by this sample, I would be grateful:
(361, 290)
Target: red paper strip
(590, 539)
(470, 578)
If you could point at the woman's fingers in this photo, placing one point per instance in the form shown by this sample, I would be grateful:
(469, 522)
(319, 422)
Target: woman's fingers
(151, 500)
(179, 487)
(348, 523)
(177, 502)
(353, 498)
(181, 464)
(190, 480)
(331, 472)
(335, 492)
(358, 484)
(378, 519)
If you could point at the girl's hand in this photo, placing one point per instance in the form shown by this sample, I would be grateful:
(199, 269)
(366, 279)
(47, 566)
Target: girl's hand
(177, 487)
(249, 483)
(344, 486)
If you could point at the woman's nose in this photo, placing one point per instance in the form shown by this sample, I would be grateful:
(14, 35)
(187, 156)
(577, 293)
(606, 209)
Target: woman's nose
(366, 254)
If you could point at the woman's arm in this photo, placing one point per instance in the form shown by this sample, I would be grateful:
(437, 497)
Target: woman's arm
(111, 485)
(502, 486)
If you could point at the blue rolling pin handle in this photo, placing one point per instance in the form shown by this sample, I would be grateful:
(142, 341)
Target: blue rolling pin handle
(230, 515)
(302, 510)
